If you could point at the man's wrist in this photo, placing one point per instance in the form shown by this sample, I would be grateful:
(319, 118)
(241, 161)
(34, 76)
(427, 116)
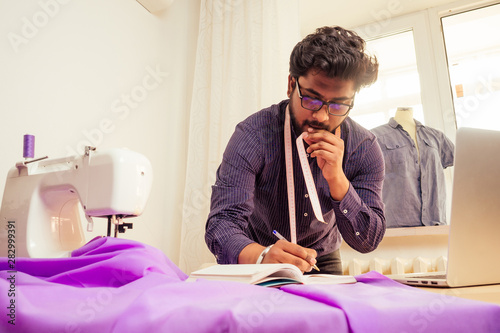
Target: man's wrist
(250, 253)
(339, 189)
(263, 254)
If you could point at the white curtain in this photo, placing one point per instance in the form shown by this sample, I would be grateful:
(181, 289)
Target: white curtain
(241, 67)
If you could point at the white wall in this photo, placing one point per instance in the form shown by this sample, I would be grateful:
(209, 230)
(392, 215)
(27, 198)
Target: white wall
(79, 72)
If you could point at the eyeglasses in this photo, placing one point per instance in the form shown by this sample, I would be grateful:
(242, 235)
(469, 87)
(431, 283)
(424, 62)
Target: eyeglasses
(314, 104)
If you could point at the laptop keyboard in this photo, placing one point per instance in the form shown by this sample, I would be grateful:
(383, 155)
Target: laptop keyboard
(440, 276)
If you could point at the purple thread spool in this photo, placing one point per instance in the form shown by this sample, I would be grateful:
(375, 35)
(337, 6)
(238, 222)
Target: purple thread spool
(29, 146)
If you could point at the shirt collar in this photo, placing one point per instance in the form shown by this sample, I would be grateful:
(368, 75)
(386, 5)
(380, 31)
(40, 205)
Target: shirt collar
(394, 124)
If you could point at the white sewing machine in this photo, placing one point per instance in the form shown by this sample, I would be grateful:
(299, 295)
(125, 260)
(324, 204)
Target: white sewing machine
(48, 204)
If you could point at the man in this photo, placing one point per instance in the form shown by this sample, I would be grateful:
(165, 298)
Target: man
(249, 198)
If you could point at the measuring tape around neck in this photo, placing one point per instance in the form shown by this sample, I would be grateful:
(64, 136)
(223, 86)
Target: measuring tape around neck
(306, 170)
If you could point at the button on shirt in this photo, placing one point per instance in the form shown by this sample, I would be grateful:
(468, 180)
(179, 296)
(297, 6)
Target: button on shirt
(414, 190)
(249, 198)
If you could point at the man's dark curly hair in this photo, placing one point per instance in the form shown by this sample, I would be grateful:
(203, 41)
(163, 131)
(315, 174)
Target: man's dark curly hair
(336, 52)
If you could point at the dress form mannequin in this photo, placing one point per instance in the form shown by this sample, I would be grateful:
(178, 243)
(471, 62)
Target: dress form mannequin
(404, 117)
(414, 190)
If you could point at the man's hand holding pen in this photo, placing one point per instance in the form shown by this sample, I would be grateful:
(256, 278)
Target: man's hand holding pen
(284, 251)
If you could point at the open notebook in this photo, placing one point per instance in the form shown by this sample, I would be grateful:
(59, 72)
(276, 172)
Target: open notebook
(474, 239)
(268, 275)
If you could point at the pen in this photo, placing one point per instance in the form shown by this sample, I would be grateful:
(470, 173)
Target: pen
(277, 234)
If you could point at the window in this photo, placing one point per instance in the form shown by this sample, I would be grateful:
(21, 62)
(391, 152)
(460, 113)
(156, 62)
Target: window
(398, 82)
(473, 54)
(442, 61)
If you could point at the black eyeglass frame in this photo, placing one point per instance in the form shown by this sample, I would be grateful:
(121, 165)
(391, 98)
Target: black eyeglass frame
(323, 103)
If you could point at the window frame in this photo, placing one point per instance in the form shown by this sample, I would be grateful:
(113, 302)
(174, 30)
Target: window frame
(432, 66)
(430, 51)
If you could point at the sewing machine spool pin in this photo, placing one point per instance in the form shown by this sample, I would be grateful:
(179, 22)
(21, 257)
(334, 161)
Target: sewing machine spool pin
(35, 160)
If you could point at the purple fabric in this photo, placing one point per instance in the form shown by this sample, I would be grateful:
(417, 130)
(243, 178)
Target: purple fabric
(117, 285)
(379, 304)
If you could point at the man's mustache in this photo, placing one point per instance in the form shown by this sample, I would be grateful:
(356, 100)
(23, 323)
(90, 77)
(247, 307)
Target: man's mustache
(316, 124)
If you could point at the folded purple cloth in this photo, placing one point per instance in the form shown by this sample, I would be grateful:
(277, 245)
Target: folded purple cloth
(379, 304)
(118, 285)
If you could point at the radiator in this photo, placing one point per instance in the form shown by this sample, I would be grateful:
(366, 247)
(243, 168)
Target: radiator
(395, 265)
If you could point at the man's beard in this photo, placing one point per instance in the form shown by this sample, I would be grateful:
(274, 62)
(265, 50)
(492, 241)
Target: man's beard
(299, 127)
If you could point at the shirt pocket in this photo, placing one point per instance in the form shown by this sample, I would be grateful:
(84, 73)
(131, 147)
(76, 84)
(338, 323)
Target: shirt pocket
(396, 155)
(430, 143)
(430, 154)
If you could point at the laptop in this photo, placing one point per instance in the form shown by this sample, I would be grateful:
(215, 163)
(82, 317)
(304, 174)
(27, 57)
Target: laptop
(474, 237)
